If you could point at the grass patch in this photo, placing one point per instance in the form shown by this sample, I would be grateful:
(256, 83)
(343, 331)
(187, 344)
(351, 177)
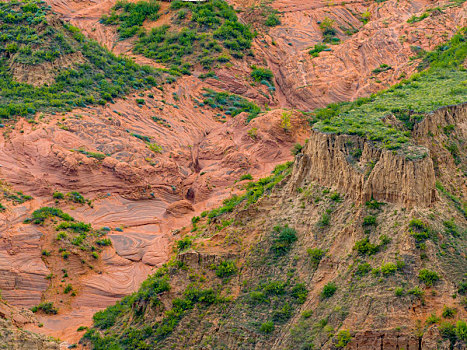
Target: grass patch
(230, 104)
(210, 32)
(408, 101)
(32, 38)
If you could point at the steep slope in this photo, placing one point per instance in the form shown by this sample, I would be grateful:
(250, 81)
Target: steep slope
(144, 162)
(355, 245)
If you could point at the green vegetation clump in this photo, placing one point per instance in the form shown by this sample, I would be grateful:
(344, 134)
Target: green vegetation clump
(255, 190)
(328, 290)
(267, 327)
(314, 52)
(316, 255)
(16, 197)
(231, 104)
(246, 177)
(388, 269)
(58, 195)
(343, 338)
(259, 74)
(40, 215)
(369, 220)
(95, 155)
(149, 293)
(283, 238)
(329, 32)
(210, 32)
(442, 84)
(76, 197)
(226, 269)
(131, 16)
(29, 37)
(272, 20)
(184, 243)
(46, 307)
(428, 277)
(364, 247)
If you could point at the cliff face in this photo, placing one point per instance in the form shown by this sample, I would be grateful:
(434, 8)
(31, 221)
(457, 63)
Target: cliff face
(14, 338)
(355, 167)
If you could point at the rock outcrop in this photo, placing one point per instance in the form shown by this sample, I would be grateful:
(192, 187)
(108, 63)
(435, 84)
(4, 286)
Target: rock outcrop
(357, 168)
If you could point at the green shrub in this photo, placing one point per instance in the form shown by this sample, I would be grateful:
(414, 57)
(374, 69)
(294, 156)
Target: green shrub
(61, 236)
(324, 220)
(462, 289)
(283, 314)
(448, 312)
(68, 289)
(45, 252)
(76, 197)
(184, 244)
(246, 177)
(272, 20)
(451, 228)
(388, 269)
(364, 247)
(328, 290)
(399, 292)
(317, 49)
(369, 220)
(299, 292)
(335, 196)
(155, 147)
(316, 255)
(416, 292)
(58, 195)
(297, 148)
(226, 269)
(260, 74)
(46, 307)
(343, 338)
(257, 297)
(461, 330)
(274, 288)
(74, 226)
(40, 215)
(448, 331)
(231, 103)
(363, 269)
(374, 204)
(283, 238)
(104, 242)
(267, 327)
(428, 277)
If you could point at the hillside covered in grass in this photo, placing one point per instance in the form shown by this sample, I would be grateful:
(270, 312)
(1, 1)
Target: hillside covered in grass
(441, 82)
(48, 65)
(208, 33)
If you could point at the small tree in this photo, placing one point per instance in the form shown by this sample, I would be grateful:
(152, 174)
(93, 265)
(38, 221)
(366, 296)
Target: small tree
(285, 121)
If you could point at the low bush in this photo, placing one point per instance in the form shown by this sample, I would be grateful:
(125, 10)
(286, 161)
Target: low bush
(226, 269)
(428, 277)
(328, 290)
(46, 307)
(283, 238)
(267, 327)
